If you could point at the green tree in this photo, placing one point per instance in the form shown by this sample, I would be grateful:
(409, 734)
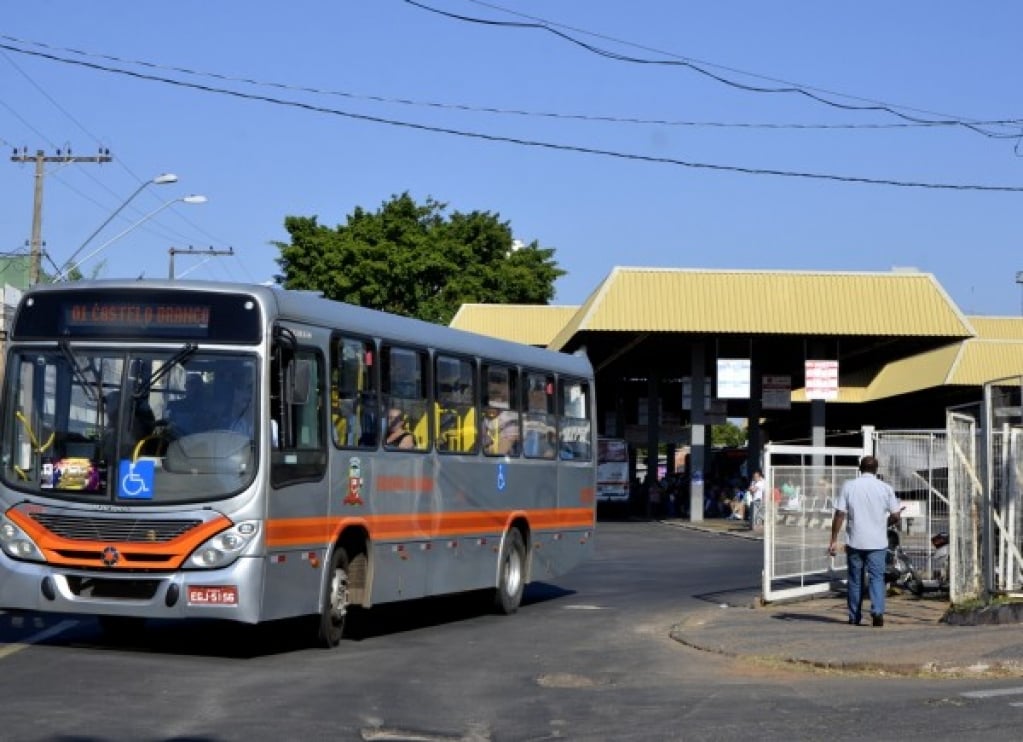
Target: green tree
(413, 260)
(728, 435)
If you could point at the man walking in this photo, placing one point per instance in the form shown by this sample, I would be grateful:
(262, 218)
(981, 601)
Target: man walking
(866, 506)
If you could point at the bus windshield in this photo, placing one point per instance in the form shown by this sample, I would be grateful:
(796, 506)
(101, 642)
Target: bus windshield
(119, 425)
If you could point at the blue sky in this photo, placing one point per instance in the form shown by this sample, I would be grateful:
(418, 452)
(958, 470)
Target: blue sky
(389, 71)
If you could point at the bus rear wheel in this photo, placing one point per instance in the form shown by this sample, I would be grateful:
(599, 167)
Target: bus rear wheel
(335, 600)
(511, 574)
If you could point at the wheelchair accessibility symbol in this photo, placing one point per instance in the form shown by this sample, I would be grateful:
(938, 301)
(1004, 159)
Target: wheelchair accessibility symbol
(135, 480)
(502, 479)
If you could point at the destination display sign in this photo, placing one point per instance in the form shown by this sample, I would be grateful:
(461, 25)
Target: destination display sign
(190, 319)
(139, 314)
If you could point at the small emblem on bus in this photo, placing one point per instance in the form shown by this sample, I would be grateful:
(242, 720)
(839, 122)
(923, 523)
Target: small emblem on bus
(354, 496)
(111, 556)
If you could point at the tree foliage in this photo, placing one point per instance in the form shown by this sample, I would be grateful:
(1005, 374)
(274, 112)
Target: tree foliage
(413, 260)
(728, 435)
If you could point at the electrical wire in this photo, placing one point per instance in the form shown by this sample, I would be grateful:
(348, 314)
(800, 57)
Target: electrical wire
(495, 110)
(516, 140)
(788, 88)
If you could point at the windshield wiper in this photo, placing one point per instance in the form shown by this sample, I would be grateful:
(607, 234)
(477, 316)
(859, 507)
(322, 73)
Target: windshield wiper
(180, 357)
(69, 355)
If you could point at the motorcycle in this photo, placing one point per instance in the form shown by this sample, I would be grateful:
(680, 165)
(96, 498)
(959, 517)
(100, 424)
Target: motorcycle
(901, 572)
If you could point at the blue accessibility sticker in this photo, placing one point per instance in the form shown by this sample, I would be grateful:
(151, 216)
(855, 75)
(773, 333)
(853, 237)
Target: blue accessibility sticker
(135, 480)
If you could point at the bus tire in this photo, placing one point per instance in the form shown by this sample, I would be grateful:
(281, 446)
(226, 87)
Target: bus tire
(335, 600)
(511, 574)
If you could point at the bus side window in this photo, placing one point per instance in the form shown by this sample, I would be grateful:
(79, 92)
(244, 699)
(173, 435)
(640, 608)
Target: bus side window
(298, 409)
(403, 387)
(353, 397)
(574, 436)
(540, 440)
(500, 426)
(455, 395)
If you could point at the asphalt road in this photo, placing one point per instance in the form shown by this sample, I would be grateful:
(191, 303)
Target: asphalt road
(587, 658)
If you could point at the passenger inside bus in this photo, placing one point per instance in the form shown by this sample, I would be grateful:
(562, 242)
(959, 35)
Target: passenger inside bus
(398, 435)
(239, 416)
(188, 413)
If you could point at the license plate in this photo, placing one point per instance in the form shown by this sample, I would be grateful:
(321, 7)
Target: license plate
(213, 595)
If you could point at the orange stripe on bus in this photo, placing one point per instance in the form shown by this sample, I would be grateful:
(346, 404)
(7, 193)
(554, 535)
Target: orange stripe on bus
(393, 483)
(411, 526)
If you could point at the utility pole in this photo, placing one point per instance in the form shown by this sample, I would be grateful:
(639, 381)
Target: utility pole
(41, 158)
(192, 251)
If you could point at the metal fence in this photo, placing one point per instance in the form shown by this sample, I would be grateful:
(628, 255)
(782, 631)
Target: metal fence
(802, 482)
(915, 464)
(966, 481)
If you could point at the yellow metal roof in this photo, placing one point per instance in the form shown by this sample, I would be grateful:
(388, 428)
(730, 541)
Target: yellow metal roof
(897, 304)
(532, 324)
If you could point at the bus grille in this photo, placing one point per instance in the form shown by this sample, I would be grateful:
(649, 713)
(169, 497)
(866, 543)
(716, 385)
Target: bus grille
(121, 530)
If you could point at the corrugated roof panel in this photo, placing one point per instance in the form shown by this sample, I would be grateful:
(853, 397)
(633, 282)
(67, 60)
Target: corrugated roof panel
(532, 324)
(769, 302)
(922, 371)
(998, 328)
(986, 360)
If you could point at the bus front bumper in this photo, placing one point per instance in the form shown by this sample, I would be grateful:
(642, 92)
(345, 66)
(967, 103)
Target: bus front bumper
(233, 593)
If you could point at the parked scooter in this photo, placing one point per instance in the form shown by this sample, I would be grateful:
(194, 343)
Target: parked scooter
(901, 572)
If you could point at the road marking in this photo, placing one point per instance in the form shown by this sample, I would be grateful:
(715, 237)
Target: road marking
(583, 608)
(36, 638)
(993, 693)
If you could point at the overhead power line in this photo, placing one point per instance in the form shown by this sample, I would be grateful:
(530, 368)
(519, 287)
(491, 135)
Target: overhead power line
(441, 105)
(787, 88)
(515, 140)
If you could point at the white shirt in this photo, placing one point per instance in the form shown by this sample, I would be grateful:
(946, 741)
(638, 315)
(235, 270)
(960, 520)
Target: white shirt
(867, 502)
(757, 487)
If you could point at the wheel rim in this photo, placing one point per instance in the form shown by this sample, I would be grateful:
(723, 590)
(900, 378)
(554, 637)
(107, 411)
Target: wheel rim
(338, 596)
(513, 573)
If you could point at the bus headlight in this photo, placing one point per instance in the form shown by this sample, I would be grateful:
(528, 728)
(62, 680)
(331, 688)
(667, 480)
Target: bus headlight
(16, 543)
(226, 546)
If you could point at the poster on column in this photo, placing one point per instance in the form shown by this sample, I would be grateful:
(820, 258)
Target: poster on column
(822, 380)
(777, 392)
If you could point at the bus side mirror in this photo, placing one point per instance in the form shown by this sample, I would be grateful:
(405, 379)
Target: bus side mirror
(300, 374)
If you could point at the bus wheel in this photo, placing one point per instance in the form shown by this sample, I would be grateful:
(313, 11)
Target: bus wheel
(512, 573)
(335, 600)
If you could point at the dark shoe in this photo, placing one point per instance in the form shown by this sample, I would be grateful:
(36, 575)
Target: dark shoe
(853, 623)
(878, 619)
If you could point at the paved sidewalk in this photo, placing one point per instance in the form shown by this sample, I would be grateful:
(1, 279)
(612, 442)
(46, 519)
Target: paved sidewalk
(815, 632)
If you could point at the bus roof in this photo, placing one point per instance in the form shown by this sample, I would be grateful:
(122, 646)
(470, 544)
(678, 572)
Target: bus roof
(312, 308)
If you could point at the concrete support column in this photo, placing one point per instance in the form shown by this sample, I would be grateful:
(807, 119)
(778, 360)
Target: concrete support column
(653, 422)
(755, 441)
(818, 421)
(697, 442)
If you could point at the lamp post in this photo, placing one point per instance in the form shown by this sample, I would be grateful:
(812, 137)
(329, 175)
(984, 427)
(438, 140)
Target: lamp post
(193, 199)
(158, 180)
(1019, 280)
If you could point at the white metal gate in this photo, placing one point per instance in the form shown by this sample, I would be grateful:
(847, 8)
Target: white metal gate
(802, 482)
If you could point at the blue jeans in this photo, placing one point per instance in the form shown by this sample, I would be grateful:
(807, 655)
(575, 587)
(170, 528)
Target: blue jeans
(873, 559)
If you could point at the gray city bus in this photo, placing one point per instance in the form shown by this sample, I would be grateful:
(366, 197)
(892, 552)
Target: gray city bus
(176, 449)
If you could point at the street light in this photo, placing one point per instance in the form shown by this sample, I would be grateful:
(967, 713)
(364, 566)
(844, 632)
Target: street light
(158, 180)
(193, 199)
(1019, 280)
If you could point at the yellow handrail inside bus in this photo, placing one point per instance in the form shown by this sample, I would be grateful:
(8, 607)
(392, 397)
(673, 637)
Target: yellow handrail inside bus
(137, 451)
(39, 448)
